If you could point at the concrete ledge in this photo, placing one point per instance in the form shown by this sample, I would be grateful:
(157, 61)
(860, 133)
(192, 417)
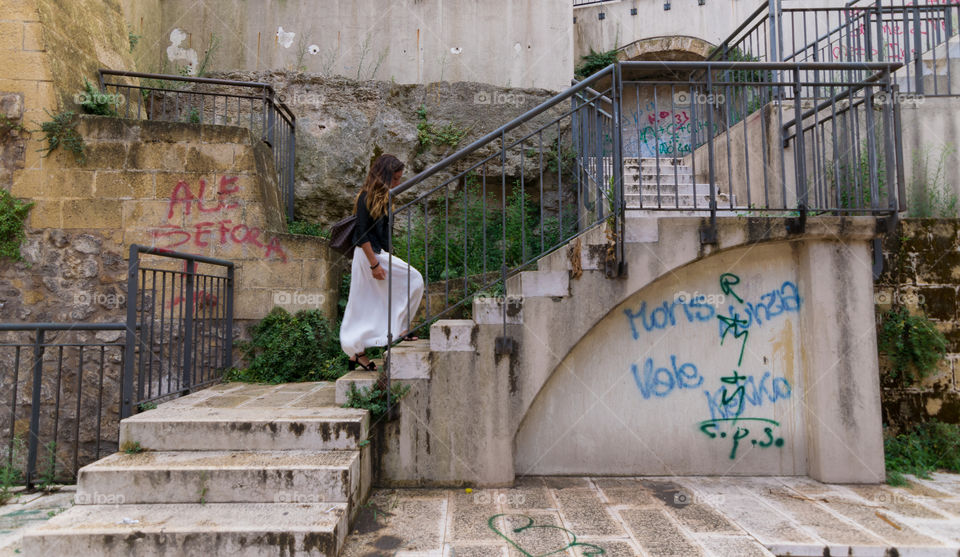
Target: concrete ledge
(544, 283)
(410, 360)
(489, 311)
(453, 335)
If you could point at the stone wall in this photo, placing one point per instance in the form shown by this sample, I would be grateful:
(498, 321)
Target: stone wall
(922, 273)
(343, 124)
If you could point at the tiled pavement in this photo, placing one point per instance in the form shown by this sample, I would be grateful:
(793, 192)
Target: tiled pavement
(663, 516)
(28, 509)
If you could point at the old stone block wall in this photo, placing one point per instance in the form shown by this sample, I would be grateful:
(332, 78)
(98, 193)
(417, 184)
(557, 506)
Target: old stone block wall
(922, 273)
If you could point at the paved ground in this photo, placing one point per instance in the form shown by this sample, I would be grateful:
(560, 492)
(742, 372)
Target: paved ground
(660, 516)
(27, 509)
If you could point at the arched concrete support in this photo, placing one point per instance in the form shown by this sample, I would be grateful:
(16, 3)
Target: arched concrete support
(673, 48)
(459, 422)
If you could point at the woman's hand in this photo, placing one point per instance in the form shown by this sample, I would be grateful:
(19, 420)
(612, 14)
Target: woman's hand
(379, 273)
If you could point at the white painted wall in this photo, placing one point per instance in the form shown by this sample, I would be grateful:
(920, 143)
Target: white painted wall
(517, 44)
(643, 389)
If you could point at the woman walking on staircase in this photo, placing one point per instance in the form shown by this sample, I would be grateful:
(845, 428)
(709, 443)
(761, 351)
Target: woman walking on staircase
(365, 318)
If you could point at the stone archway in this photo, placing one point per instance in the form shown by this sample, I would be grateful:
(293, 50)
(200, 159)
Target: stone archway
(672, 48)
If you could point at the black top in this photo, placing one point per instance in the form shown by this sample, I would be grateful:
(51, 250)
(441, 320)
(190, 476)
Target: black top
(369, 229)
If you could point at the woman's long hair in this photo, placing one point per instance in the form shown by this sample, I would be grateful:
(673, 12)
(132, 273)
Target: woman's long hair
(378, 182)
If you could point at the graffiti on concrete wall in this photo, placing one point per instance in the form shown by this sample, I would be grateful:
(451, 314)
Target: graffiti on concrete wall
(732, 397)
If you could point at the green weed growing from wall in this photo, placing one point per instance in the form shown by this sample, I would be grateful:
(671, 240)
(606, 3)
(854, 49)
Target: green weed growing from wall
(912, 343)
(13, 213)
(930, 195)
(61, 130)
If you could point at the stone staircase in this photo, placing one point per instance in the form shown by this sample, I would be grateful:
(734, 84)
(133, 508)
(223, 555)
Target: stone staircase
(667, 183)
(231, 470)
(940, 71)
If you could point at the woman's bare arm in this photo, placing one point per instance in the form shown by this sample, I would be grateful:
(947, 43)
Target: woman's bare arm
(378, 273)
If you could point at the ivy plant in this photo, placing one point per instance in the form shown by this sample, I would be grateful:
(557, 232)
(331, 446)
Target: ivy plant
(912, 343)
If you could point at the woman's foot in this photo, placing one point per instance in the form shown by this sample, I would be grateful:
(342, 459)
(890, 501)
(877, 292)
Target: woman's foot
(363, 361)
(409, 337)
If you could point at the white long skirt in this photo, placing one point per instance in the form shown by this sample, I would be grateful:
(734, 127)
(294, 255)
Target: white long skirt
(365, 319)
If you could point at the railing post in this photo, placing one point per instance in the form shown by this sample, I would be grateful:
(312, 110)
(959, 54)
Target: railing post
(34, 433)
(186, 383)
(891, 158)
(616, 93)
(918, 51)
(709, 235)
(129, 349)
(387, 361)
(800, 156)
(289, 171)
(229, 325)
(775, 30)
(898, 145)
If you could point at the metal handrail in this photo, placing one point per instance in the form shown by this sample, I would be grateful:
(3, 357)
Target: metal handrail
(273, 114)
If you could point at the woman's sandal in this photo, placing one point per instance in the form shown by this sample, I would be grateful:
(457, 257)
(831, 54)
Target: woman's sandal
(353, 363)
(409, 337)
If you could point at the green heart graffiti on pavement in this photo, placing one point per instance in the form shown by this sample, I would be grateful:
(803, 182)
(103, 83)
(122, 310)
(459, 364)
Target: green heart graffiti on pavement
(590, 551)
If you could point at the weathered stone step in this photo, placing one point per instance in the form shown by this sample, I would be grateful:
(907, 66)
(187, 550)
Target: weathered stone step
(192, 530)
(222, 477)
(665, 188)
(361, 378)
(173, 428)
(683, 201)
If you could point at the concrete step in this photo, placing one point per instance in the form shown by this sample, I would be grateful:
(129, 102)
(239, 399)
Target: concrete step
(222, 477)
(177, 428)
(683, 201)
(453, 335)
(362, 379)
(410, 360)
(666, 188)
(192, 530)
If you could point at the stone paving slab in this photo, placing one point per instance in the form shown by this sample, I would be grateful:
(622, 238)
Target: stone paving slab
(25, 510)
(653, 517)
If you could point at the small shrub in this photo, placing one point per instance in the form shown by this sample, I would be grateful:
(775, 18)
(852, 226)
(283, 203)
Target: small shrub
(593, 62)
(930, 195)
(10, 473)
(131, 447)
(8, 126)
(291, 348)
(95, 102)
(144, 406)
(13, 213)
(429, 134)
(926, 448)
(193, 116)
(375, 399)
(48, 477)
(912, 343)
(305, 228)
(62, 130)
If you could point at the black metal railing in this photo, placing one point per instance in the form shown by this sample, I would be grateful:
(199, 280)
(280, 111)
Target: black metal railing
(921, 36)
(60, 387)
(200, 100)
(757, 147)
(713, 139)
(184, 338)
(526, 191)
(68, 385)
